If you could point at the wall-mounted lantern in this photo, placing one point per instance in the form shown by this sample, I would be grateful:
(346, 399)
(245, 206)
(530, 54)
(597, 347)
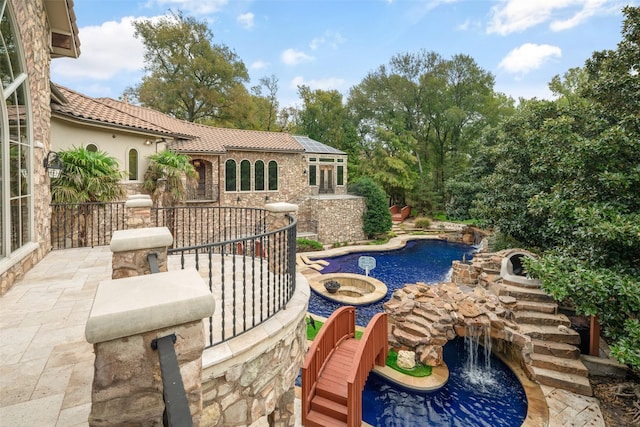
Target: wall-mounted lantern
(53, 164)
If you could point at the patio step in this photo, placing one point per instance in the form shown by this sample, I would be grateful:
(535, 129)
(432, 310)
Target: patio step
(571, 382)
(519, 293)
(569, 366)
(557, 349)
(550, 333)
(537, 318)
(541, 307)
(527, 284)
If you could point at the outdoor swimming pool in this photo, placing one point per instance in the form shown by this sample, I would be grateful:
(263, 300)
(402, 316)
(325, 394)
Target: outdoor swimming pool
(426, 261)
(496, 401)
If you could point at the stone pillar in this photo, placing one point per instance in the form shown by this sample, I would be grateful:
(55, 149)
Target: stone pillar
(138, 211)
(127, 315)
(276, 219)
(131, 248)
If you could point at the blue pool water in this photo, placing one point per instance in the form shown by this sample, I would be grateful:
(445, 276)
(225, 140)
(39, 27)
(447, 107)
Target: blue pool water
(427, 261)
(498, 401)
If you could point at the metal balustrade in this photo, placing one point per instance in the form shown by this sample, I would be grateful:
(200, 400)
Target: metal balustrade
(250, 271)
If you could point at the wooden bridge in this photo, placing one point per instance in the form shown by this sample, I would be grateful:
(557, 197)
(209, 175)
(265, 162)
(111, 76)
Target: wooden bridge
(337, 366)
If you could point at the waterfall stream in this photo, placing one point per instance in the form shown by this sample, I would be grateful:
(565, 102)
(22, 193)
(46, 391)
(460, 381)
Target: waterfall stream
(478, 365)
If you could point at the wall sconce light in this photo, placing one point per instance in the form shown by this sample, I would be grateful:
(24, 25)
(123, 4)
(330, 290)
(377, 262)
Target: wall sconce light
(304, 172)
(266, 198)
(238, 199)
(148, 142)
(196, 163)
(53, 164)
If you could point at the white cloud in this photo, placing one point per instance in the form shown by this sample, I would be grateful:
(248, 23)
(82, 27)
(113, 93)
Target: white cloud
(331, 38)
(259, 65)
(328, 83)
(246, 20)
(528, 57)
(511, 16)
(294, 57)
(196, 7)
(107, 50)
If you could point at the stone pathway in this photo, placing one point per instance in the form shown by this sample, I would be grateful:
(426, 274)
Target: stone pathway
(46, 365)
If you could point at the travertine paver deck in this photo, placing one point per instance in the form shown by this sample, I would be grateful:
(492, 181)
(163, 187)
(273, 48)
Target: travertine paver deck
(46, 365)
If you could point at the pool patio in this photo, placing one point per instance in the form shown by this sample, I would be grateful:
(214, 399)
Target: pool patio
(46, 365)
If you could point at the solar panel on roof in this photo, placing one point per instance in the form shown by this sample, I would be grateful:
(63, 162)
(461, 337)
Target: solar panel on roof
(313, 146)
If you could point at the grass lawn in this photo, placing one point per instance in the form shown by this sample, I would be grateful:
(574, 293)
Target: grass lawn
(418, 371)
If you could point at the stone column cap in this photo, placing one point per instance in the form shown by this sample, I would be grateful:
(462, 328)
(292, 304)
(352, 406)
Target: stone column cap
(140, 238)
(139, 304)
(281, 207)
(139, 196)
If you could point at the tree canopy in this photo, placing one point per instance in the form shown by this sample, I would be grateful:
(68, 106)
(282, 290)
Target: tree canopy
(566, 181)
(187, 76)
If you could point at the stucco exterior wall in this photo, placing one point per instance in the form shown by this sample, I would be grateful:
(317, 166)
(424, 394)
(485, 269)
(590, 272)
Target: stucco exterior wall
(66, 135)
(32, 27)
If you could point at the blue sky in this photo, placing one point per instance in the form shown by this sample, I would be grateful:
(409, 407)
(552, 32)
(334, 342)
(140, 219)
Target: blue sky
(334, 44)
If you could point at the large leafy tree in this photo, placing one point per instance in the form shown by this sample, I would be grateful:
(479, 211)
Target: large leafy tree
(423, 111)
(88, 176)
(187, 76)
(566, 180)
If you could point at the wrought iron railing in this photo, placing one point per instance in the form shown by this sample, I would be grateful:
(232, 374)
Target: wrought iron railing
(250, 271)
(80, 225)
(252, 278)
(200, 225)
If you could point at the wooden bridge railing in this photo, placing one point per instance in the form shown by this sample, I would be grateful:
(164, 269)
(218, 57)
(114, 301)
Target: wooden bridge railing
(339, 326)
(372, 350)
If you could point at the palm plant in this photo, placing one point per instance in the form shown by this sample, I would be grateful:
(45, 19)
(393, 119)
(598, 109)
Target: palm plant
(164, 177)
(88, 176)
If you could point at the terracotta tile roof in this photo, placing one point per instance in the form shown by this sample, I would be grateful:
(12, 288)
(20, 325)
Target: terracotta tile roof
(190, 137)
(82, 107)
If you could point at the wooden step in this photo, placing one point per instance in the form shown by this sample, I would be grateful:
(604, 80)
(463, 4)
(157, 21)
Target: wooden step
(550, 333)
(329, 408)
(317, 419)
(537, 318)
(569, 366)
(519, 293)
(571, 382)
(541, 307)
(557, 349)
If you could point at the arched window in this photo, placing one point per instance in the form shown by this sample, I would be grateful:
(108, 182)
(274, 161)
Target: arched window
(230, 182)
(258, 171)
(273, 175)
(245, 175)
(91, 147)
(16, 150)
(133, 164)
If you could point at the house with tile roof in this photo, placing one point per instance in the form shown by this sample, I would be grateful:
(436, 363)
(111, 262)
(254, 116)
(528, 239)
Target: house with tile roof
(235, 167)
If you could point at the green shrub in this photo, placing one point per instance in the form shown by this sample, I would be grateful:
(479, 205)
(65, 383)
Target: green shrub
(306, 245)
(377, 218)
(422, 222)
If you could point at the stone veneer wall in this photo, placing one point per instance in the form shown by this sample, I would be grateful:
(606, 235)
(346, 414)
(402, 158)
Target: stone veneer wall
(33, 29)
(292, 183)
(337, 218)
(258, 390)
